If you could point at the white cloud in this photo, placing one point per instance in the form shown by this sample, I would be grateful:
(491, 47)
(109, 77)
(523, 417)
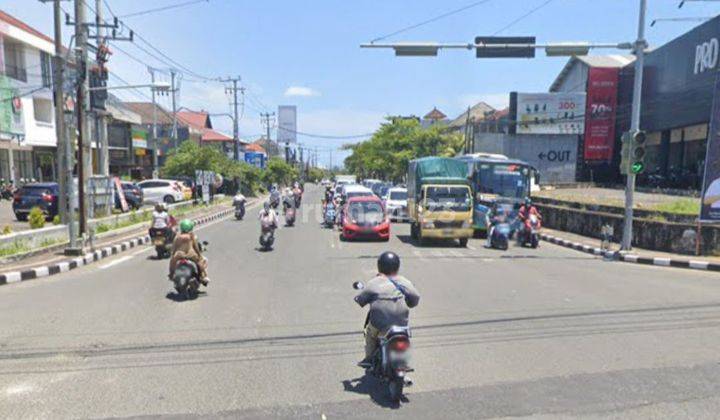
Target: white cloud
(495, 100)
(301, 91)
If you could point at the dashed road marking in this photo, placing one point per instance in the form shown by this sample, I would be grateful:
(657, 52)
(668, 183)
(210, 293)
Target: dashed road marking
(116, 262)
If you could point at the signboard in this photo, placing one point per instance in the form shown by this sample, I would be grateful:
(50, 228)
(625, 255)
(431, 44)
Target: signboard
(255, 159)
(602, 90)
(710, 205)
(139, 139)
(121, 195)
(204, 179)
(502, 52)
(287, 124)
(11, 110)
(550, 113)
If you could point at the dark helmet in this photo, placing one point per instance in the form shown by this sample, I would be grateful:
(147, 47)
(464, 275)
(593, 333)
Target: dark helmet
(388, 263)
(528, 202)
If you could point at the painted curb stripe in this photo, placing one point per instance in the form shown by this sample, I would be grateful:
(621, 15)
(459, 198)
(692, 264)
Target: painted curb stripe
(64, 266)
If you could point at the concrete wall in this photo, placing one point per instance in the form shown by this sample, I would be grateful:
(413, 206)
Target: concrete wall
(555, 156)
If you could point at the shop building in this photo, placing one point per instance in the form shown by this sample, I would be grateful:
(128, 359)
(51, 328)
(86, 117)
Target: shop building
(27, 118)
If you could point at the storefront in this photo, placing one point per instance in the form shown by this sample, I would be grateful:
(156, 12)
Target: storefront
(142, 154)
(677, 99)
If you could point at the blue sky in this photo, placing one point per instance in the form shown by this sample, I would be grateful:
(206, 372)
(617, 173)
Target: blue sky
(306, 53)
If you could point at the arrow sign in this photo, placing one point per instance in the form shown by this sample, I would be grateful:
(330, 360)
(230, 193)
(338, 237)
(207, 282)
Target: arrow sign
(541, 155)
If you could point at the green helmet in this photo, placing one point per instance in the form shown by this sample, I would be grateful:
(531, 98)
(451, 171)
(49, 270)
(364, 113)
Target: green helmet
(186, 226)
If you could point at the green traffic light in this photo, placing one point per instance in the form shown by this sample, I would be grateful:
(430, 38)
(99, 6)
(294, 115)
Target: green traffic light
(637, 167)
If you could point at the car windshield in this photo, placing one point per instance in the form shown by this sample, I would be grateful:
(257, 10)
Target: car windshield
(358, 194)
(505, 180)
(366, 212)
(398, 195)
(448, 198)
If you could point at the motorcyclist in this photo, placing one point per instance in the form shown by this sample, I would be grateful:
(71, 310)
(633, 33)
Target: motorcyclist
(528, 209)
(268, 217)
(390, 297)
(162, 222)
(297, 193)
(274, 196)
(186, 246)
(495, 216)
(288, 199)
(329, 195)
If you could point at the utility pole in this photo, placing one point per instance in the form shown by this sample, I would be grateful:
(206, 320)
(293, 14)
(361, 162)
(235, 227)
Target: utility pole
(100, 118)
(265, 118)
(154, 125)
(173, 74)
(81, 105)
(236, 132)
(640, 45)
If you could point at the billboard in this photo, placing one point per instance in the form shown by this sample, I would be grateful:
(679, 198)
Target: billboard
(602, 88)
(287, 124)
(11, 110)
(255, 159)
(550, 113)
(710, 205)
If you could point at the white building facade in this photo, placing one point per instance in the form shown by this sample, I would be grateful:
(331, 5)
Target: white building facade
(27, 119)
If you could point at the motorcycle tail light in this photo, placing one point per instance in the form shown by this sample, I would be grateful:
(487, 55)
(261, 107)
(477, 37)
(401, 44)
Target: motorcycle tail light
(400, 345)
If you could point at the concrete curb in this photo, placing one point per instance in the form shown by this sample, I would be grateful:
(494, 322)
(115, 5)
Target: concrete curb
(633, 258)
(97, 255)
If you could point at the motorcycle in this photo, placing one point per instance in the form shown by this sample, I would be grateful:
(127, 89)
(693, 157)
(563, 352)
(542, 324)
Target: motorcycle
(289, 215)
(390, 362)
(239, 210)
(529, 233)
(6, 191)
(162, 242)
(186, 277)
(267, 238)
(329, 218)
(500, 236)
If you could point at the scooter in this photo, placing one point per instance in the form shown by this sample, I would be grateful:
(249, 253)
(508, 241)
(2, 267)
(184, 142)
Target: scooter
(390, 362)
(187, 277)
(289, 215)
(529, 233)
(239, 210)
(500, 236)
(329, 218)
(267, 238)
(162, 242)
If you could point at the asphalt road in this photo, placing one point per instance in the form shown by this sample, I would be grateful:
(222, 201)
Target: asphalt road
(547, 333)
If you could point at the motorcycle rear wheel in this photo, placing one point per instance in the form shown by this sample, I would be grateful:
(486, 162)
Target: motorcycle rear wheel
(395, 388)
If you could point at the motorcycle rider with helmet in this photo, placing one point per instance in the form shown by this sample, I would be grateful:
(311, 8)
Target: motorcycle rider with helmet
(495, 216)
(268, 217)
(162, 222)
(186, 246)
(390, 297)
(526, 210)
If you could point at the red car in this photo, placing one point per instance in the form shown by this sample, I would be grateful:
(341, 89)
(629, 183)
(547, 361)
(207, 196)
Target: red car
(364, 218)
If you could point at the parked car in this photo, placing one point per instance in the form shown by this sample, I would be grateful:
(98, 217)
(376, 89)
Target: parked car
(43, 195)
(396, 204)
(161, 190)
(364, 218)
(133, 195)
(187, 184)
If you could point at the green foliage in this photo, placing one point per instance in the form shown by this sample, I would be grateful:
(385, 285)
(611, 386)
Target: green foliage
(687, 206)
(189, 157)
(317, 174)
(56, 219)
(36, 218)
(17, 247)
(279, 172)
(6, 230)
(395, 143)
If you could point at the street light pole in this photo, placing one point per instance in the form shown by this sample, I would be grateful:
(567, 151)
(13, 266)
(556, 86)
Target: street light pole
(640, 45)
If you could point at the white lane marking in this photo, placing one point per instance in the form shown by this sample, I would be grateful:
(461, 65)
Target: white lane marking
(116, 262)
(19, 389)
(471, 247)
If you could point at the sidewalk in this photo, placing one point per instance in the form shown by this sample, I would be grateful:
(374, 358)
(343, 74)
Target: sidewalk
(637, 255)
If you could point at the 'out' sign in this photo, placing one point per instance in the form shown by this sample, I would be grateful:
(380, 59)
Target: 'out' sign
(706, 55)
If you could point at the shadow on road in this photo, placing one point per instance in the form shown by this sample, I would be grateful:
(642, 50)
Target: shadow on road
(369, 385)
(176, 297)
(434, 243)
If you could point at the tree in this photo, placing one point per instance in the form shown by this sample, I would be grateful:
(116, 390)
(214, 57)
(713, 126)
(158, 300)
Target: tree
(279, 172)
(395, 143)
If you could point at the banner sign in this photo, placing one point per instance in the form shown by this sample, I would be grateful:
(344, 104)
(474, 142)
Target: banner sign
(710, 205)
(139, 139)
(287, 124)
(12, 123)
(255, 159)
(551, 113)
(121, 195)
(600, 113)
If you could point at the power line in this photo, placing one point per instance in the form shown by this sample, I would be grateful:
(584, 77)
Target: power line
(327, 136)
(431, 20)
(518, 19)
(163, 8)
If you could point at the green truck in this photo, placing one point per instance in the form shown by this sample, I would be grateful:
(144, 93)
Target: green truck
(439, 199)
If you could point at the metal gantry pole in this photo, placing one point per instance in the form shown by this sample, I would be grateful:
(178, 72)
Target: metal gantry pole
(640, 45)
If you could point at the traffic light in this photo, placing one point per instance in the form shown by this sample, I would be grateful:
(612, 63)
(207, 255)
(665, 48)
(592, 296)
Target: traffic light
(637, 155)
(626, 141)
